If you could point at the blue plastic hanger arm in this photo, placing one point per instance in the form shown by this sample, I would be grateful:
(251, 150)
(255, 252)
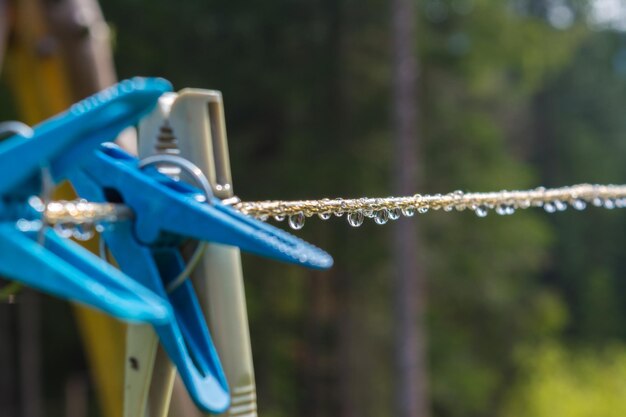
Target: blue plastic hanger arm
(65, 269)
(65, 138)
(58, 266)
(162, 206)
(185, 338)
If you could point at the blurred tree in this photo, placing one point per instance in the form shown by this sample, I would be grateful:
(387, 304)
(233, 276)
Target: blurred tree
(579, 136)
(411, 374)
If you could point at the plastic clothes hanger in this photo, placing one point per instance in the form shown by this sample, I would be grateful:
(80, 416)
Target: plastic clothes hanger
(166, 213)
(37, 256)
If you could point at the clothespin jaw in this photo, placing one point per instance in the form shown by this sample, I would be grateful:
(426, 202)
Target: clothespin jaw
(64, 268)
(40, 258)
(185, 338)
(166, 212)
(63, 139)
(165, 206)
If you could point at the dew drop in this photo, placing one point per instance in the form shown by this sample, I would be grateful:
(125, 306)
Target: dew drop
(65, 230)
(83, 232)
(279, 217)
(381, 216)
(560, 205)
(355, 219)
(296, 221)
(524, 204)
(339, 213)
(368, 213)
(263, 217)
(437, 197)
(37, 204)
(579, 204)
(408, 211)
(501, 210)
(549, 207)
(481, 211)
(422, 210)
(29, 225)
(609, 204)
(324, 216)
(597, 202)
(394, 214)
(448, 208)
(510, 210)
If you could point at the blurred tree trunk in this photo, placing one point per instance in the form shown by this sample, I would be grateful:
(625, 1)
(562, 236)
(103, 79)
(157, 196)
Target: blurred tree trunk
(8, 387)
(29, 325)
(410, 352)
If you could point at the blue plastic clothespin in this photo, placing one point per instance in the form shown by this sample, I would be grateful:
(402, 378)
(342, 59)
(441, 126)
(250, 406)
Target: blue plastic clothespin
(42, 259)
(165, 213)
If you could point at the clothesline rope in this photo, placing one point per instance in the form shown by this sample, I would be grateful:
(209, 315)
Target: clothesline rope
(381, 210)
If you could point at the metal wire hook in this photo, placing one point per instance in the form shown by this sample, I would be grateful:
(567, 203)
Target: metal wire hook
(201, 180)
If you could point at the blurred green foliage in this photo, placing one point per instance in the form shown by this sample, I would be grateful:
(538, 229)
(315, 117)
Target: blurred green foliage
(578, 383)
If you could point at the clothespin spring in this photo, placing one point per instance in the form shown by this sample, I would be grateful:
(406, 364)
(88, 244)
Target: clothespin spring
(201, 180)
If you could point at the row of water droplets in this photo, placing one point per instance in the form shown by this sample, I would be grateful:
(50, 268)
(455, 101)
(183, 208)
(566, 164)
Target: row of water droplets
(354, 218)
(453, 201)
(79, 221)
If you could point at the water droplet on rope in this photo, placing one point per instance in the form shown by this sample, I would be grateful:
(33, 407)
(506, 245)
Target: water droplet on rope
(422, 210)
(436, 206)
(394, 214)
(549, 207)
(339, 213)
(83, 232)
(481, 211)
(579, 204)
(609, 204)
(29, 225)
(510, 210)
(296, 221)
(501, 210)
(448, 208)
(279, 217)
(597, 202)
(381, 217)
(324, 216)
(355, 219)
(65, 230)
(408, 211)
(560, 205)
